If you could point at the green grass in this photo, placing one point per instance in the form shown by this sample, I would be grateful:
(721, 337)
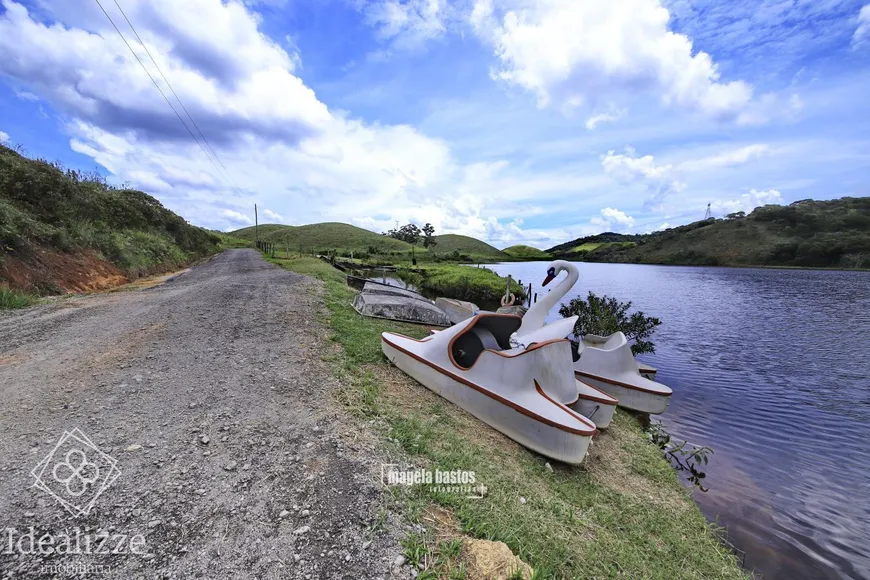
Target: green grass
(228, 241)
(479, 285)
(472, 247)
(10, 299)
(321, 238)
(589, 246)
(526, 253)
(369, 247)
(622, 514)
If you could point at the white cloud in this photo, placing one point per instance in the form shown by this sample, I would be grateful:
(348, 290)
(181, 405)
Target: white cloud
(727, 159)
(569, 52)
(626, 169)
(863, 31)
(746, 202)
(271, 215)
(662, 180)
(408, 24)
(4, 137)
(612, 219)
(236, 218)
(274, 136)
(608, 117)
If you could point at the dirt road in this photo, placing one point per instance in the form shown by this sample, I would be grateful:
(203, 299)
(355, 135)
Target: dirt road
(209, 396)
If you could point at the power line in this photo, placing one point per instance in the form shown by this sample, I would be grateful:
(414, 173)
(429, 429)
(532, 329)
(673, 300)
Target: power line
(156, 85)
(186, 112)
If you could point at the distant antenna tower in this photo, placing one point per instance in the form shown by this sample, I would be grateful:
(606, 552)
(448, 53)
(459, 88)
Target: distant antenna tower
(709, 213)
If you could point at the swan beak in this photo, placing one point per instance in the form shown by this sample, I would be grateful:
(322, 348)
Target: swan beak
(547, 280)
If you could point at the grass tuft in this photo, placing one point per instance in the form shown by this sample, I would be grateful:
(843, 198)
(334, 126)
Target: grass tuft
(10, 299)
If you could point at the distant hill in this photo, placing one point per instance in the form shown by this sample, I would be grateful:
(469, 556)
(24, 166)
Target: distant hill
(526, 252)
(346, 238)
(324, 237)
(62, 230)
(834, 234)
(448, 243)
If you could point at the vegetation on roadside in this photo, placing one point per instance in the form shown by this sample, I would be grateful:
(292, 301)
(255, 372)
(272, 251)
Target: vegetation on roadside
(478, 285)
(605, 315)
(10, 299)
(818, 234)
(48, 213)
(622, 514)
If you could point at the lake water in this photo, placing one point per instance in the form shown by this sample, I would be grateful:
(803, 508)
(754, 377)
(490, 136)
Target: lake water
(769, 368)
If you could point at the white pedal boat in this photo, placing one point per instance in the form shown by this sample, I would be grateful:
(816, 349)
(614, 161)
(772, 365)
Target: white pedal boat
(606, 363)
(523, 392)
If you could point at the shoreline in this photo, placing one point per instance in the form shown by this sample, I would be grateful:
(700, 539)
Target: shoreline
(624, 511)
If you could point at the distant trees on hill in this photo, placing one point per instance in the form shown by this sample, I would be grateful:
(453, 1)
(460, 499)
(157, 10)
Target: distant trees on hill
(412, 234)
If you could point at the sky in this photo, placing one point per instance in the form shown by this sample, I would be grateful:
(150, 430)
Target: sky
(514, 121)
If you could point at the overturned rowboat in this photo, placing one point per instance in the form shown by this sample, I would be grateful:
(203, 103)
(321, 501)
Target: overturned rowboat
(457, 310)
(395, 306)
(524, 393)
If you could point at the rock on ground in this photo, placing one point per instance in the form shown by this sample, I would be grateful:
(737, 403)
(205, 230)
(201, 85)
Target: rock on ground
(488, 560)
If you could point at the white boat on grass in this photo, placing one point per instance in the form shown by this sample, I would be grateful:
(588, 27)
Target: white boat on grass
(605, 363)
(595, 404)
(523, 392)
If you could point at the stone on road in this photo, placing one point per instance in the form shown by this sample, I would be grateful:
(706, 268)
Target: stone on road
(177, 386)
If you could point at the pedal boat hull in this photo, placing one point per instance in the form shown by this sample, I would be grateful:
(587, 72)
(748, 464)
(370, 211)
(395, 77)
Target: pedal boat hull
(523, 393)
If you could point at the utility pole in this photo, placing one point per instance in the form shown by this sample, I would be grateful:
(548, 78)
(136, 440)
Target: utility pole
(256, 226)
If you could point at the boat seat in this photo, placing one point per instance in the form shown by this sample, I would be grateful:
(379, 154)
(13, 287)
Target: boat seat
(489, 333)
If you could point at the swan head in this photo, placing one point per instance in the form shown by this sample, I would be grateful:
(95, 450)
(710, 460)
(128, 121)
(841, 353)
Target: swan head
(554, 268)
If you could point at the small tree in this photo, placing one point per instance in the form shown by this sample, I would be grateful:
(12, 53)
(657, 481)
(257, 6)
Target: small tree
(408, 233)
(604, 315)
(428, 235)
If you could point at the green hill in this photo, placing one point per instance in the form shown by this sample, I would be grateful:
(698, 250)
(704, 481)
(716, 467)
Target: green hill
(827, 234)
(345, 238)
(321, 238)
(62, 230)
(449, 243)
(526, 252)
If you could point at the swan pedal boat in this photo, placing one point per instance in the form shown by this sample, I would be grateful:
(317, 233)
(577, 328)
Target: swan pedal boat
(525, 393)
(605, 363)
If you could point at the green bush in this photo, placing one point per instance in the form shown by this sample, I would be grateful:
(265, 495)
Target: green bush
(604, 315)
(461, 282)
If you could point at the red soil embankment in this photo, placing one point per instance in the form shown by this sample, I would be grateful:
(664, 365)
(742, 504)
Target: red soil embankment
(47, 271)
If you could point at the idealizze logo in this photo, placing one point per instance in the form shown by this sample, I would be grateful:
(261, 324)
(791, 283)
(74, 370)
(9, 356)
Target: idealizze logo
(76, 472)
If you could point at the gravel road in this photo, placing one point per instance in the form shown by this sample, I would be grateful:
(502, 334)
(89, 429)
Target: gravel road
(210, 396)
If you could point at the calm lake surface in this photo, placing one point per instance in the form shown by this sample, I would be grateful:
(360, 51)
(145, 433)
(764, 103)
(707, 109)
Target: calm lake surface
(770, 368)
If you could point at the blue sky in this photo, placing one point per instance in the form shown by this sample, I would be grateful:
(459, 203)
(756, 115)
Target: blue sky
(516, 121)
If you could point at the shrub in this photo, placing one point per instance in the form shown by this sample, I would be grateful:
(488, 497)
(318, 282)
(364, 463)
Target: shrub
(604, 315)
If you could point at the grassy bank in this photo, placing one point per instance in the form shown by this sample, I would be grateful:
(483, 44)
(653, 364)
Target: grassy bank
(63, 230)
(622, 514)
(479, 285)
